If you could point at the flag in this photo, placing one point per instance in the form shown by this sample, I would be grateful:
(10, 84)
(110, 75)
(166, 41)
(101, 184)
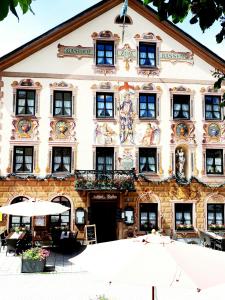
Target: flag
(123, 11)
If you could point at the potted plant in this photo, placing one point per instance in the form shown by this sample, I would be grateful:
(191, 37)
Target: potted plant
(184, 227)
(33, 260)
(214, 227)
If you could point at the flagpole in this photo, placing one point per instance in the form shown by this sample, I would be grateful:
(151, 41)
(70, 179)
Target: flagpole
(123, 14)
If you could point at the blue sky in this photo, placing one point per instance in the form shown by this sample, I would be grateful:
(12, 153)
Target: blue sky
(50, 13)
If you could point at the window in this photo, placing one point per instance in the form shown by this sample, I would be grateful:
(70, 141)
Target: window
(183, 216)
(61, 159)
(104, 159)
(19, 221)
(104, 105)
(214, 161)
(147, 106)
(212, 108)
(215, 216)
(147, 54)
(105, 53)
(23, 159)
(61, 220)
(147, 160)
(148, 216)
(62, 103)
(25, 102)
(181, 107)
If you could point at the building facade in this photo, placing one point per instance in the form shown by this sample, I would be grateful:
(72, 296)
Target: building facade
(120, 122)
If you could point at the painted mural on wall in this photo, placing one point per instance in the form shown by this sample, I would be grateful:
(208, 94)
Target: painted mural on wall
(25, 129)
(213, 132)
(126, 113)
(126, 159)
(149, 134)
(62, 130)
(105, 134)
(183, 131)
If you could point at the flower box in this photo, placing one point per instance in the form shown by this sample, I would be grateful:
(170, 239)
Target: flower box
(182, 227)
(215, 227)
(34, 260)
(32, 266)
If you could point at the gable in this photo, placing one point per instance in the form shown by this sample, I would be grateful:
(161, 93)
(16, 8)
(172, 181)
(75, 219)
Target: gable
(60, 32)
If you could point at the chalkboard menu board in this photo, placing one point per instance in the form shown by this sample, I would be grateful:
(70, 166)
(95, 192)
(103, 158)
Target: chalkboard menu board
(90, 234)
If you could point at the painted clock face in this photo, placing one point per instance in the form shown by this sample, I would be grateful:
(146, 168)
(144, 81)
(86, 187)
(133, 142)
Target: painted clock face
(213, 130)
(182, 130)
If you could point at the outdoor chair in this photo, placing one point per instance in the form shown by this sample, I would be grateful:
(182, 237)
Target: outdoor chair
(12, 245)
(2, 241)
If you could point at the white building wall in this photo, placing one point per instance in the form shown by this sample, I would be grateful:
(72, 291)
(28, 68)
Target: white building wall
(46, 61)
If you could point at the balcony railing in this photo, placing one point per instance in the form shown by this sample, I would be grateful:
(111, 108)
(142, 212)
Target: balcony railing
(121, 180)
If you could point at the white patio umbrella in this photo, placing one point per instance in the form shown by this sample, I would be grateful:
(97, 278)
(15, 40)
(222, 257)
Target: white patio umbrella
(33, 207)
(154, 261)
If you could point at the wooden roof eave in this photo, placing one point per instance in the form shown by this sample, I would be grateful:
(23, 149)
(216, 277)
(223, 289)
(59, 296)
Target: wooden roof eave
(95, 11)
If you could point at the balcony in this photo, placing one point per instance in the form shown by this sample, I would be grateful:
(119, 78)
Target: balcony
(119, 180)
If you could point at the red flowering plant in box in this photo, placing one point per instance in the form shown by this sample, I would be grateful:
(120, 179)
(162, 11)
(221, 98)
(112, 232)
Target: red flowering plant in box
(35, 254)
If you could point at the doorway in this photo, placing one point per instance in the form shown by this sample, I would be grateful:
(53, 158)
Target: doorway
(103, 214)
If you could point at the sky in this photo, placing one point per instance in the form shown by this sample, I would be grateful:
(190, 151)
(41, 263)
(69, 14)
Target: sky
(50, 13)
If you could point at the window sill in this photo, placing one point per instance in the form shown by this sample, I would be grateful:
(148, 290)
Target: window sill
(23, 174)
(113, 119)
(25, 116)
(104, 69)
(147, 119)
(214, 175)
(62, 116)
(212, 120)
(148, 71)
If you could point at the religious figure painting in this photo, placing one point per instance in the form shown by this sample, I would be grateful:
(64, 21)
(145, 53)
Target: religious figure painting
(182, 130)
(127, 115)
(151, 135)
(105, 134)
(126, 159)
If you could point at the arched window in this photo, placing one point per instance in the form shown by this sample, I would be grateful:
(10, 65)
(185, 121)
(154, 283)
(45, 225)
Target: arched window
(61, 220)
(19, 221)
(119, 20)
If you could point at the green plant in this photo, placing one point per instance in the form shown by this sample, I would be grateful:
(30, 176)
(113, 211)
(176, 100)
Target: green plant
(35, 254)
(217, 227)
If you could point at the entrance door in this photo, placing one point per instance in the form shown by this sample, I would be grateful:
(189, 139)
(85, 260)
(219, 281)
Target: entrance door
(103, 214)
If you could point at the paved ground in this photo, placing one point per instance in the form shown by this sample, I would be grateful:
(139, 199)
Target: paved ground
(69, 283)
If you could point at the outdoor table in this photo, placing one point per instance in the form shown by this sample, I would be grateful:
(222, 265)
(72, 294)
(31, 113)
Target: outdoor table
(16, 235)
(217, 239)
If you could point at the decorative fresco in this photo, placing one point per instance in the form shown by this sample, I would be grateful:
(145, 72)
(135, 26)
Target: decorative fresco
(127, 113)
(25, 129)
(183, 131)
(150, 134)
(127, 54)
(62, 130)
(213, 132)
(126, 159)
(105, 134)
